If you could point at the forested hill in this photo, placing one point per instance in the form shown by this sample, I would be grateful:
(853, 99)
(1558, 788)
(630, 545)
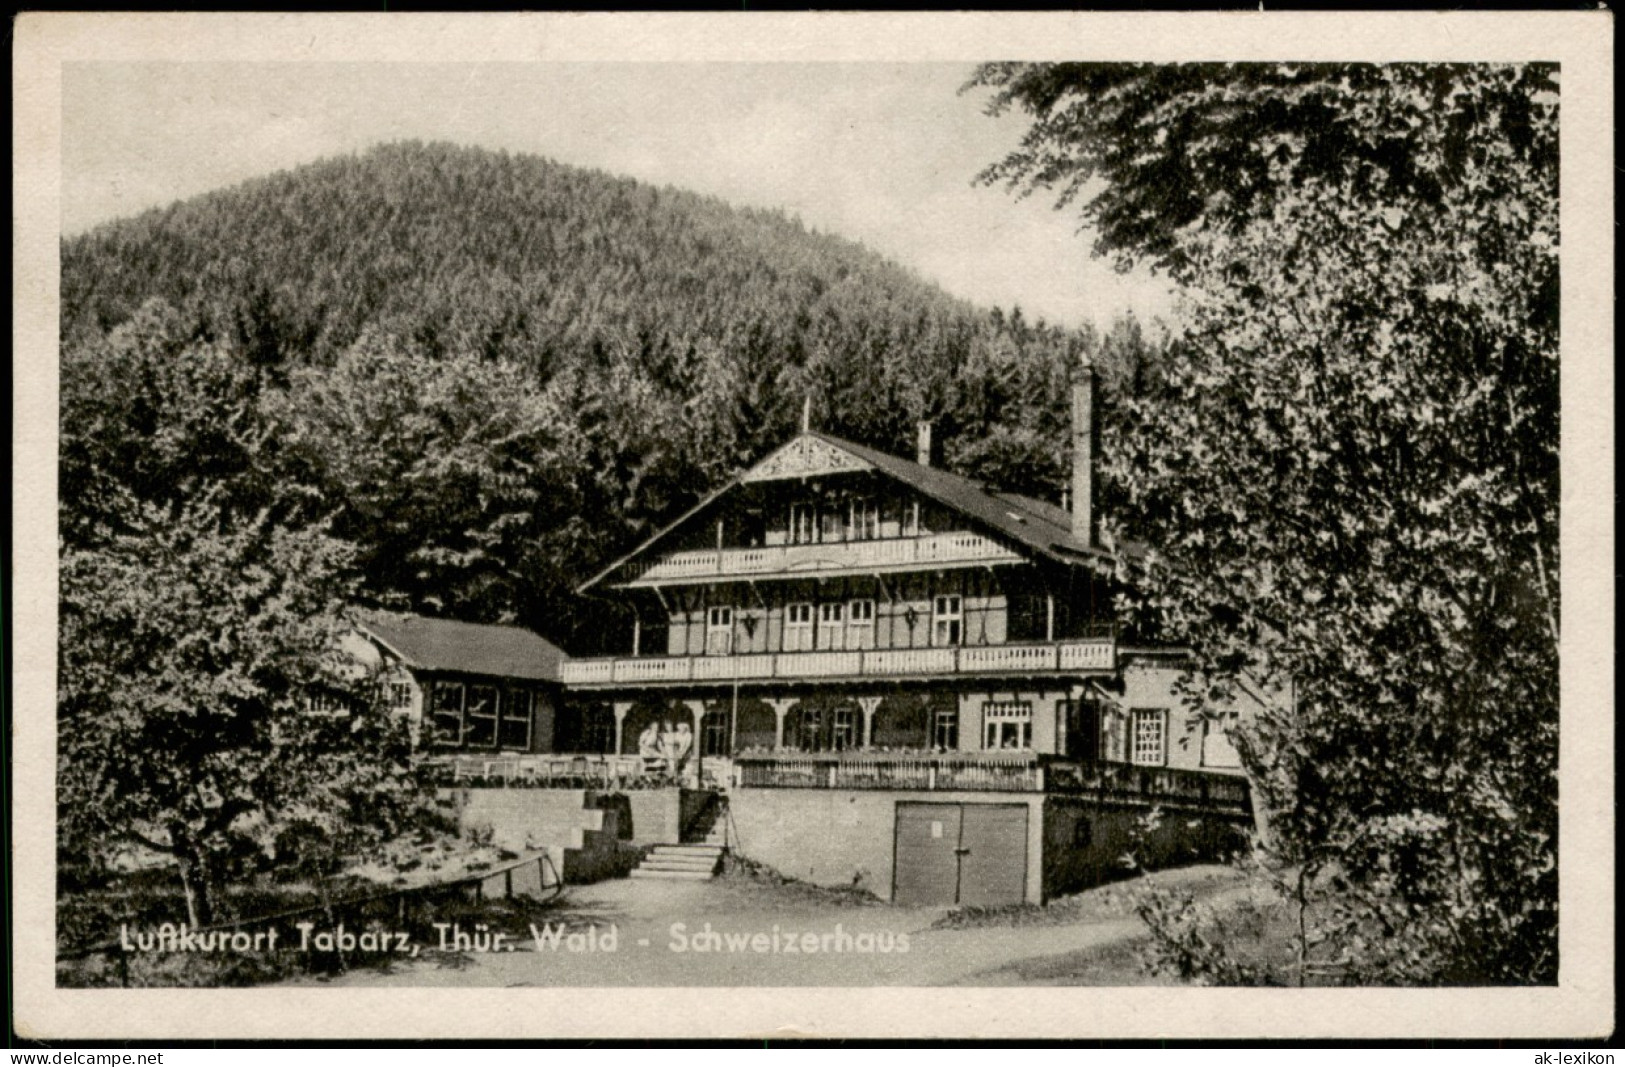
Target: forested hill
(657, 339)
(509, 256)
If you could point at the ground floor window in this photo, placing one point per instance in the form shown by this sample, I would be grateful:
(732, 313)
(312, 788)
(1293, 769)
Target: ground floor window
(480, 716)
(812, 724)
(945, 729)
(1007, 724)
(844, 735)
(448, 713)
(518, 710)
(1150, 737)
(714, 734)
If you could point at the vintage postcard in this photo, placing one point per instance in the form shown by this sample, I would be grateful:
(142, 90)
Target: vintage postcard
(843, 525)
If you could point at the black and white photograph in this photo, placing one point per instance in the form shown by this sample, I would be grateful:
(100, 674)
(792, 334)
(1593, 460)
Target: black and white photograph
(907, 525)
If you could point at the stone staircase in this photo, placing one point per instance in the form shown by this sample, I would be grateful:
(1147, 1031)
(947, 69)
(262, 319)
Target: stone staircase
(694, 861)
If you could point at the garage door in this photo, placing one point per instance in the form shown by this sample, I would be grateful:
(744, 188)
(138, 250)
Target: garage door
(926, 864)
(993, 854)
(960, 854)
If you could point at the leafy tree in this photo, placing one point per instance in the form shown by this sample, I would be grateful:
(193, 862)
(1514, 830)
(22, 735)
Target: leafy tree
(191, 650)
(1348, 468)
(456, 476)
(153, 413)
(199, 620)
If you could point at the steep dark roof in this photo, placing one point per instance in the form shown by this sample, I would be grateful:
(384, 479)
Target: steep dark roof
(472, 648)
(1040, 526)
(1036, 524)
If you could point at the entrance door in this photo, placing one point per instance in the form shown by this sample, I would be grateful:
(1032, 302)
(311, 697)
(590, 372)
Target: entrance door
(960, 854)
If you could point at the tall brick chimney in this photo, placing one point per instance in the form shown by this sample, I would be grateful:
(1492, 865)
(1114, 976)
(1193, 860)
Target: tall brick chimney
(1085, 439)
(922, 449)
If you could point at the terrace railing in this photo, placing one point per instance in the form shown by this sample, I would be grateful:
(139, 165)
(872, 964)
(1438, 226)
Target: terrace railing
(1011, 772)
(999, 772)
(1083, 654)
(1169, 786)
(560, 769)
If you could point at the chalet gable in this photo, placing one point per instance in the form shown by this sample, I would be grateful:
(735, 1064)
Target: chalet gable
(1030, 527)
(806, 456)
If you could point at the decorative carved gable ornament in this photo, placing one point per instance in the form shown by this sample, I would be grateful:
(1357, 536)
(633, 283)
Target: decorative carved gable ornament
(805, 457)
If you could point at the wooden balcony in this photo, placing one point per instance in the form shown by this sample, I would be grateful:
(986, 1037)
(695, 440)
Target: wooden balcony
(999, 772)
(1086, 655)
(836, 557)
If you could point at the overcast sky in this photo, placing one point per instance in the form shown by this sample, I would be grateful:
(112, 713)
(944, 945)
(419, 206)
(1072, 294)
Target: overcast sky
(882, 153)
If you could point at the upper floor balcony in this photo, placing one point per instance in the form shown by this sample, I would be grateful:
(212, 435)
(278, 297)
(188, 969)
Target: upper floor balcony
(823, 559)
(1084, 655)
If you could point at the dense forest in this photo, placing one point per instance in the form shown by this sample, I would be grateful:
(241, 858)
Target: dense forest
(492, 373)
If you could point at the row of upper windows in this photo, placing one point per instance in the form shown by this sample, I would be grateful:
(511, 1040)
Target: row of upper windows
(801, 630)
(857, 519)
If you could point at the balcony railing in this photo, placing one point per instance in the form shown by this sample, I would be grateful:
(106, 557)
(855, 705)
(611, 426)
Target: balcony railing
(1088, 654)
(1006, 772)
(891, 553)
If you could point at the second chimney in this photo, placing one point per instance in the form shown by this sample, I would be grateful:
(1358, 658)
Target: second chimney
(922, 450)
(1085, 439)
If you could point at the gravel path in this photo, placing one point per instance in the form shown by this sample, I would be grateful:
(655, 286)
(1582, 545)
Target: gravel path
(770, 935)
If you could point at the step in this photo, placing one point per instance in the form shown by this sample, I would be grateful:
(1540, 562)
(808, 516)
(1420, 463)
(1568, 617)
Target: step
(682, 876)
(686, 850)
(686, 872)
(676, 865)
(710, 859)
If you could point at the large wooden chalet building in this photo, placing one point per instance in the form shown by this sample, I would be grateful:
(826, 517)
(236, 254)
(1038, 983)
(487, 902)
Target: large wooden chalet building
(904, 679)
(856, 668)
(838, 600)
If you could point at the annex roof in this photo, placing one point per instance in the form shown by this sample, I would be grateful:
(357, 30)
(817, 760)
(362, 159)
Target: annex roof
(1033, 524)
(470, 648)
